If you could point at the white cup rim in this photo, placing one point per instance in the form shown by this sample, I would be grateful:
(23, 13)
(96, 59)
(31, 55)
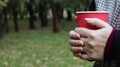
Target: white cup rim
(92, 12)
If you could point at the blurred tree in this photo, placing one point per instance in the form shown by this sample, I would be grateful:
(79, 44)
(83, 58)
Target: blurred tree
(42, 10)
(78, 5)
(30, 8)
(1, 27)
(5, 19)
(70, 5)
(55, 12)
(18, 7)
(2, 5)
(14, 7)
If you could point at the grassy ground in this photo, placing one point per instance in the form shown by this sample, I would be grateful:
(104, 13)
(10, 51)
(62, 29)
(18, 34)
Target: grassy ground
(39, 49)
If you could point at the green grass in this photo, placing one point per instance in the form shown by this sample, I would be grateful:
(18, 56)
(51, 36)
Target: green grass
(39, 49)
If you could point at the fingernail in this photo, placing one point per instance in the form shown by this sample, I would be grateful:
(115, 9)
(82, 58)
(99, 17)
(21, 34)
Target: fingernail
(87, 19)
(78, 35)
(82, 43)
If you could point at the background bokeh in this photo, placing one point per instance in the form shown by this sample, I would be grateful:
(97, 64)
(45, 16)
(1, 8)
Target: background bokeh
(35, 33)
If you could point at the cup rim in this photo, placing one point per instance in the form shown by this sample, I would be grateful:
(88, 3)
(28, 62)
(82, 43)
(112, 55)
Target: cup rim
(92, 12)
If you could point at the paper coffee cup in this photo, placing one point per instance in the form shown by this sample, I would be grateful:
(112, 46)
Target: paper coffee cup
(81, 15)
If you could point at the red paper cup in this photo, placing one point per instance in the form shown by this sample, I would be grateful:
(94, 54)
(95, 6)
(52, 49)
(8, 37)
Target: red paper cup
(103, 15)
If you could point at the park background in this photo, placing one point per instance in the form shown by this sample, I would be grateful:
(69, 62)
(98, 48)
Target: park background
(35, 33)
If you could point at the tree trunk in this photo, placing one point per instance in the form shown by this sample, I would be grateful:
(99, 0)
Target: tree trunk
(61, 13)
(31, 13)
(1, 27)
(69, 15)
(15, 18)
(55, 18)
(21, 16)
(43, 14)
(5, 19)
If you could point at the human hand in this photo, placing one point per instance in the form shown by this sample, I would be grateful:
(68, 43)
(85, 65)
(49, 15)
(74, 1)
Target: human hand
(93, 41)
(76, 43)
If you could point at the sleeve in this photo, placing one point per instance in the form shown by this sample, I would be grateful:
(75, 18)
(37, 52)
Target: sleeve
(116, 43)
(112, 49)
(109, 53)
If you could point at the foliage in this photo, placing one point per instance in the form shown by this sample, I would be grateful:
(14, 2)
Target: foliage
(18, 4)
(68, 4)
(3, 3)
(71, 5)
(74, 5)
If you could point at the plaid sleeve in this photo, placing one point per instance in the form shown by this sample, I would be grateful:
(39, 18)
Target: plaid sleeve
(113, 7)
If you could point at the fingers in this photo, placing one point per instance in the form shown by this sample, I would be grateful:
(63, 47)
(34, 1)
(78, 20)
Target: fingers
(83, 56)
(77, 39)
(76, 49)
(84, 32)
(81, 50)
(76, 42)
(74, 35)
(77, 54)
(97, 22)
(76, 46)
(80, 32)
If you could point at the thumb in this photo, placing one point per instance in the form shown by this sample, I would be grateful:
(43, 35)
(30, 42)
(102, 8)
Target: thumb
(97, 22)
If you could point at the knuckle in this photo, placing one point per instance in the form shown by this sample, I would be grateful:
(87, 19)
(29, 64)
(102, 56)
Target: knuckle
(70, 32)
(91, 45)
(77, 29)
(92, 57)
(92, 35)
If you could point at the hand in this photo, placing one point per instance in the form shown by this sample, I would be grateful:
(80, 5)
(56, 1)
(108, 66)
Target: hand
(76, 43)
(94, 41)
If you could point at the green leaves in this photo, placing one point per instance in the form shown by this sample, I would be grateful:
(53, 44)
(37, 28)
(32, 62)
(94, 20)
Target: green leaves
(74, 5)
(3, 3)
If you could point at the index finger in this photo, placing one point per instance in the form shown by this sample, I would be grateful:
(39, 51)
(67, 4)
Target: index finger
(74, 35)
